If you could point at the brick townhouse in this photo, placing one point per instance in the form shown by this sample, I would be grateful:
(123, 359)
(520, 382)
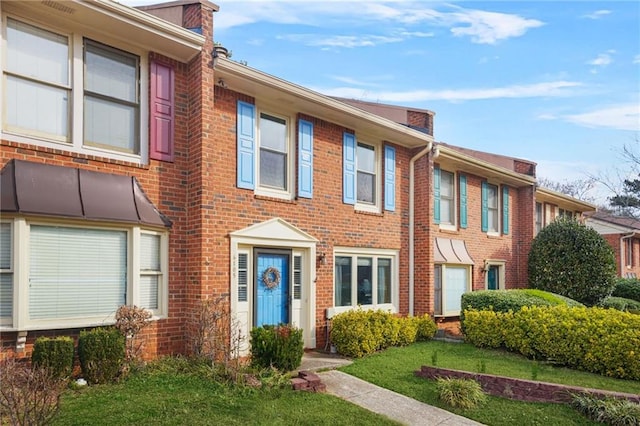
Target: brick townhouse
(138, 167)
(623, 235)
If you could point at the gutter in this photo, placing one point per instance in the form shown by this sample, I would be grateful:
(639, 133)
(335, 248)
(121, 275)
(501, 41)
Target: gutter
(412, 237)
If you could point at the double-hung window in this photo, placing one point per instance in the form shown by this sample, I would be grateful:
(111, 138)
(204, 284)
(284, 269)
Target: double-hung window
(493, 218)
(539, 218)
(365, 278)
(629, 252)
(274, 152)
(63, 90)
(447, 198)
(366, 176)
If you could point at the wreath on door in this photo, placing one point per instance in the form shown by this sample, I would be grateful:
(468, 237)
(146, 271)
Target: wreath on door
(271, 277)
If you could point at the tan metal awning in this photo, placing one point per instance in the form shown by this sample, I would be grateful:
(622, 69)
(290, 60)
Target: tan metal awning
(47, 190)
(451, 251)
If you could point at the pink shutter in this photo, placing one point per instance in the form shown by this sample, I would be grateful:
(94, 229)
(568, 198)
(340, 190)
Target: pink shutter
(161, 112)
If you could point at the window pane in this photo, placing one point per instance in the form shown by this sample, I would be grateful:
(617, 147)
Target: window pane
(273, 133)
(384, 280)
(6, 294)
(149, 291)
(273, 169)
(366, 188)
(456, 284)
(5, 246)
(149, 252)
(492, 196)
(36, 106)
(446, 207)
(437, 289)
(446, 184)
(366, 158)
(343, 281)
(111, 73)
(36, 53)
(76, 272)
(365, 278)
(109, 123)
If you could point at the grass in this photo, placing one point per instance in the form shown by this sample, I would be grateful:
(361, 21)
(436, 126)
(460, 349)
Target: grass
(394, 369)
(177, 398)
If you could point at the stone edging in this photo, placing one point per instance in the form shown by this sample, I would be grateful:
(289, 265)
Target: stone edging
(521, 389)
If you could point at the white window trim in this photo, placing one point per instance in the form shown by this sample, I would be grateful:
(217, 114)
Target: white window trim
(376, 207)
(443, 268)
(395, 277)
(501, 264)
(21, 241)
(453, 226)
(75, 143)
(291, 145)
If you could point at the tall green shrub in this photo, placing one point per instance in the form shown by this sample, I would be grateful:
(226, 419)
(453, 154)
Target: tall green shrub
(572, 260)
(56, 355)
(277, 346)
(102, 354)
(629, 288)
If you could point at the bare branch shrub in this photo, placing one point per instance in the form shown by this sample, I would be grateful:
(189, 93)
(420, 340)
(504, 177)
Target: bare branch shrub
(215, 334)
(130, 321)
(28, 396)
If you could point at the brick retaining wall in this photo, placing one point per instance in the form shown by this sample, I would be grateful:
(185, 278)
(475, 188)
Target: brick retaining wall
(520, 389)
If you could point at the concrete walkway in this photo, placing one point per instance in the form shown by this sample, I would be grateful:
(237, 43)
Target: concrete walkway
(398, 407)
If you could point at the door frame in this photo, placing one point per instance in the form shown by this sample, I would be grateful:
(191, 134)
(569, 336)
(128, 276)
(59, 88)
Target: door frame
(257, 251)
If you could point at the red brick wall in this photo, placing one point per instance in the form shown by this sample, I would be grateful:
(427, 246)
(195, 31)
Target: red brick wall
(325, 217)
(619, 249)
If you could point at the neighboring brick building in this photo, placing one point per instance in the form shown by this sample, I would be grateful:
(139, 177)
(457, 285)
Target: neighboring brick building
(139, 169)
(623, 235)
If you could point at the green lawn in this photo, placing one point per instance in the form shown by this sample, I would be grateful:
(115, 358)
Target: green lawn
(394, 369)
(177, 398)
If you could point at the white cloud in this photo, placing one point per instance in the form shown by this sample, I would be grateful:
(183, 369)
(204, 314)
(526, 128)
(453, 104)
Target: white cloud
(343, 41)
(621, 117)
(482, 27)
(547, 89)
(597, 14)
(636, 59)
(601, 60)
(491, 27)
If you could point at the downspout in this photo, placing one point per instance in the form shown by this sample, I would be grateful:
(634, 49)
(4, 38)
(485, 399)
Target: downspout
(623, 252)
(412, 224)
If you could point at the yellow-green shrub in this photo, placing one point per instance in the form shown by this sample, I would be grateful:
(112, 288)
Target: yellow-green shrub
(425, 326)
(593, 339)
(358, 332)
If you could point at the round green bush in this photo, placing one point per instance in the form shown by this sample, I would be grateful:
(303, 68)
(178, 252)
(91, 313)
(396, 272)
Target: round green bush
(101, 352)
(54, 354)
(279, 346)
(572, 260)
(629, 288)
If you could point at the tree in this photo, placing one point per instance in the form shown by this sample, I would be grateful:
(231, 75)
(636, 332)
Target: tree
(578, 188)
(625, 184)
(572, 260)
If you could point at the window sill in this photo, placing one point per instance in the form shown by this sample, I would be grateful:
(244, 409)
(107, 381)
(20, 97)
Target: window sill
(274, 198)
(67, 325)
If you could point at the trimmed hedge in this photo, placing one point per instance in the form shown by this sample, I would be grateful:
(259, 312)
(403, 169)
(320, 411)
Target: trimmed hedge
(629, 288)
(102, 353)
(277, 346)
(510, 300)
(598, 340)
(621, 304)
(55, 354)
(359, 332)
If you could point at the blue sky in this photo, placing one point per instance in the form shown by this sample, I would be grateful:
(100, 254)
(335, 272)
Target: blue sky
(553, 82)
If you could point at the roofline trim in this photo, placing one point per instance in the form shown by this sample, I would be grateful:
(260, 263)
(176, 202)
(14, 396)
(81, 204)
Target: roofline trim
(559, 195)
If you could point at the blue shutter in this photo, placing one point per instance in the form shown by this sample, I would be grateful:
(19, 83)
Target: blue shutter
(349, 169)
(463, 201)
(246, 131)
(389, 178)
(305, 159)
(436, 194)
(485, 208)
(505, 210)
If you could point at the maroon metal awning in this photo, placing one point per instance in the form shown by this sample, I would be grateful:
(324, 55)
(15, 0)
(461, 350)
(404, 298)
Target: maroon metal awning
(47, 190)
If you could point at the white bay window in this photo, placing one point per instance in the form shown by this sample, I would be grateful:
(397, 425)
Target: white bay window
(76, 276)
(450, 283)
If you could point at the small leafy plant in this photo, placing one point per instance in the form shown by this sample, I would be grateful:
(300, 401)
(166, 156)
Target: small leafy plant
(611, 411)
(278, 346)
(461, 393)
(102, 354)
(55, 354)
